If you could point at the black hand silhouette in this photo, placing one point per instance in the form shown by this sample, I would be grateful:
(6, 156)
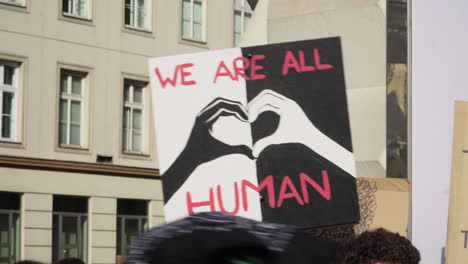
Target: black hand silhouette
(202, 147)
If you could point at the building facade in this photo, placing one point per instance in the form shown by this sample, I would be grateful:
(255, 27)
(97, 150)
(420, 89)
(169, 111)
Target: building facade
(79, 170)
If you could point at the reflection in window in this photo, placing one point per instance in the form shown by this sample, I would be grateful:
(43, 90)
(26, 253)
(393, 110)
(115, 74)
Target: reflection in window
(70, 227)
(9, 228)
(132, 220)
(397, 89)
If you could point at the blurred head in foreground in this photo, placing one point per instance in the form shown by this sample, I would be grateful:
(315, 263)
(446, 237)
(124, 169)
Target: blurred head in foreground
(218, 238)
(70, 261)
(380, 247)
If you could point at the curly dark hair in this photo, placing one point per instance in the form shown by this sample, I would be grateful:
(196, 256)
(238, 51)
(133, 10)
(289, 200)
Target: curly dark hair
(380, 245)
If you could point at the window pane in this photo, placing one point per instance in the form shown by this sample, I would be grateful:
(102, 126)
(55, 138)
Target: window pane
(237, 22)
(81, 8)
(65, 6)
(70, 253)
(126, 93)
(4, 224)
(75, 134)
(127, 12)
(197, 32)
(15, 245)
(7, 104)
(238, 3)
(6, 126)
(63, 110)
(236, 38)
(131, 231)
(144, 225)
(76, 112)
(69, 232)
(84, 237)
(197, 12)
(141, 14)
(246, 20)
(63, 83)
(119, 235)
(186, 29)
(4, 253)
(76, 85)
(186, 10)
(63, 122)
(136, 132)
(137, 94)
(136, 140)
(8, 73)
(126, 115)
(137, 117)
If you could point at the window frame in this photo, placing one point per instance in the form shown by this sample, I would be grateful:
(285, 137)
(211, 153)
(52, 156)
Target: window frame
(70, 97)
(149, 18)
(7, 88)
(191, 21)
(147, 129)
(11, 236)
(80, 235)
(243, 9)
(70, 17)
(85, 122)
(20, 90)
(72, 8)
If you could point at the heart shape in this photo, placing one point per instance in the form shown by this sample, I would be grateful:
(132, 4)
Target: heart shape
(232, 131)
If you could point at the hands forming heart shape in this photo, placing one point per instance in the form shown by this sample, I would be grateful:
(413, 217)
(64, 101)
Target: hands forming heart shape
(294, 126)
(205, 145)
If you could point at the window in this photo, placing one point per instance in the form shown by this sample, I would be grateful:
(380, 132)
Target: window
(132, 220)
(138, 14)
(14, 2)
(77, 8)
(70, 227)
(72, 109)
(9, 80)
(134, 134)
(193, 16)
(242, 15)
(9, 227)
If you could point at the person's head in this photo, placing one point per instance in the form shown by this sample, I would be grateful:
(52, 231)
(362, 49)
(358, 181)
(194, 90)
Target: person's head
(380, 247)
(70, 261)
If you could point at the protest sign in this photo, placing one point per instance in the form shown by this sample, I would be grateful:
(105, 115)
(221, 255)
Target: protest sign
(261, 132)
(457, 236)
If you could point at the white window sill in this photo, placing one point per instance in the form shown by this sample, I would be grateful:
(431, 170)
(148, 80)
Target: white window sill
(195, 43)
(10, 143)
(76, 16)
(72, 146)
(144, 30)
(12, 4)
(136, 155)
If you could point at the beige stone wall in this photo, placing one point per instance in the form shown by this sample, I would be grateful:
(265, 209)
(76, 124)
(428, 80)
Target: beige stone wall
(108, 51)
(38, 188)
(36, 233)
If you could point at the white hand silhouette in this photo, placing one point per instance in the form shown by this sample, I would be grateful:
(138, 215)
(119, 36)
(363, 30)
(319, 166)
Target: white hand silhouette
(295, 127)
